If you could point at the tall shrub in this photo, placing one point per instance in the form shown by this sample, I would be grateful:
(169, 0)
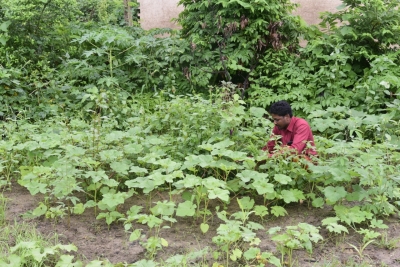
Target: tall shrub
(353, 61)
(229, 37)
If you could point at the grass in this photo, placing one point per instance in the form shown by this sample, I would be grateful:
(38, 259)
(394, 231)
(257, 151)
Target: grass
(25, 236)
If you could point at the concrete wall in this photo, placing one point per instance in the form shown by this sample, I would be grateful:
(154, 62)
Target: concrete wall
(158, 13)
(310, 10)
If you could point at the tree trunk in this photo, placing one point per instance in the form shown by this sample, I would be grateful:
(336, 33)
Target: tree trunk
(128, 13)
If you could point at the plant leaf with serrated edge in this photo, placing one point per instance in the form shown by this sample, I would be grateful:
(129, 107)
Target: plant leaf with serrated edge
(246, 203)
(260, 210)
(282, 179)
(278, 211)
(336, 228)
(121, 167)
(137, 169)
(186, 208)
(318, 202)
(263, 187)
(334, 194)
(251, 253)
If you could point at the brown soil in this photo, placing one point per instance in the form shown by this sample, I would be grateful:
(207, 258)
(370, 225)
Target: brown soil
(95, 241)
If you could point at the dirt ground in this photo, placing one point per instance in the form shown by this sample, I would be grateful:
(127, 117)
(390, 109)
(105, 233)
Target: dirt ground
(95, 241)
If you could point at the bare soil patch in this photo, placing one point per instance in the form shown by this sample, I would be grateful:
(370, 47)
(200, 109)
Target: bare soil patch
(95, 240)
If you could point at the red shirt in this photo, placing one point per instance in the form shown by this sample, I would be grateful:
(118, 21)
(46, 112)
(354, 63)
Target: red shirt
(299, 133)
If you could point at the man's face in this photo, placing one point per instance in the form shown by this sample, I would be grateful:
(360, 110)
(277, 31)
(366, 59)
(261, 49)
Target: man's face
(282, 122)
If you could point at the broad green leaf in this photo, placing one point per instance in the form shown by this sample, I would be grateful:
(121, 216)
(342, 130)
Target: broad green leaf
(137, 169)
(248, 175)
(236, 254)
(186, 208)
(274, 260)
(74, 151)
(257, 112)
(263, 187)
(133, 148)
(150, 220)
(168, 164)
(283, 179)
(254, 226)
(334, 194)
(339, 175)
(292, 195)
(135, 235)
(164, 242)
(260, 210)
(245, 203)
(282, 238)
(111, 200)
(39, 211)
(121, 167)
(318, 202)
(4, 26)
(225, 165)
(96, 176)
(38, 255)
(234, 155)
(234, 185)
(204, 227)
(165, 208)
(251, 253)
(274, 230)
(145, 263)
(14, 260)
(95, 263)
(212, 183)
(378, 224)
(29, 245)
(288, 196)
(218, 193)
(110, 182)
(278, 211)
(3, 39)
(67, 261)
(223, 144)
(114, 136)
(336, 228)
(110, 155)
(351, 215)
(79, 208)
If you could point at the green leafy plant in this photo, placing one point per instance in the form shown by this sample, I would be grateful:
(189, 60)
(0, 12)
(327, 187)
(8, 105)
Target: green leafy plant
(232, 234)
(343, 64)
(295, 237)
(228, 38)
(369, 237)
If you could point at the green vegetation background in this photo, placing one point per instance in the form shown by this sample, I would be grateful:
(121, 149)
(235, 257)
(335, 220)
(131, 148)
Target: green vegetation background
(89, 104)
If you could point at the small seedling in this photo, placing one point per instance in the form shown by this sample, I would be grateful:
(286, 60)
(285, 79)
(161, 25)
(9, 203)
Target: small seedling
(369, 237)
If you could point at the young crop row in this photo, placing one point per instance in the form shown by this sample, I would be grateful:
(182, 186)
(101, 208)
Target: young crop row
(199, 158)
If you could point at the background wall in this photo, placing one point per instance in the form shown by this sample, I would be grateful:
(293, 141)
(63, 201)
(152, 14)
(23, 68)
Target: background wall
(158, 13)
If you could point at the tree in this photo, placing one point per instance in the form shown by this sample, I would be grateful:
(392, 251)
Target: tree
(228, 38)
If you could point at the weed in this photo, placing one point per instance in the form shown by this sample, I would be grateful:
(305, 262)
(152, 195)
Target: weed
(386, 242)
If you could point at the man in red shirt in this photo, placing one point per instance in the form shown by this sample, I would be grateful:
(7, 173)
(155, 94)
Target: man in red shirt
(294, 133)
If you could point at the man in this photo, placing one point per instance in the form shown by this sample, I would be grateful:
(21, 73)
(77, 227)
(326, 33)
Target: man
(295, 133)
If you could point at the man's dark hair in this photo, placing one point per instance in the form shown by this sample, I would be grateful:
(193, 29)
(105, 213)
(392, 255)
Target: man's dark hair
(281, 108)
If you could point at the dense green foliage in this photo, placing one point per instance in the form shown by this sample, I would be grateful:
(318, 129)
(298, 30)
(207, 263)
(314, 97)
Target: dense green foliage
(353, 62)
(229, 38)
(93, 106)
